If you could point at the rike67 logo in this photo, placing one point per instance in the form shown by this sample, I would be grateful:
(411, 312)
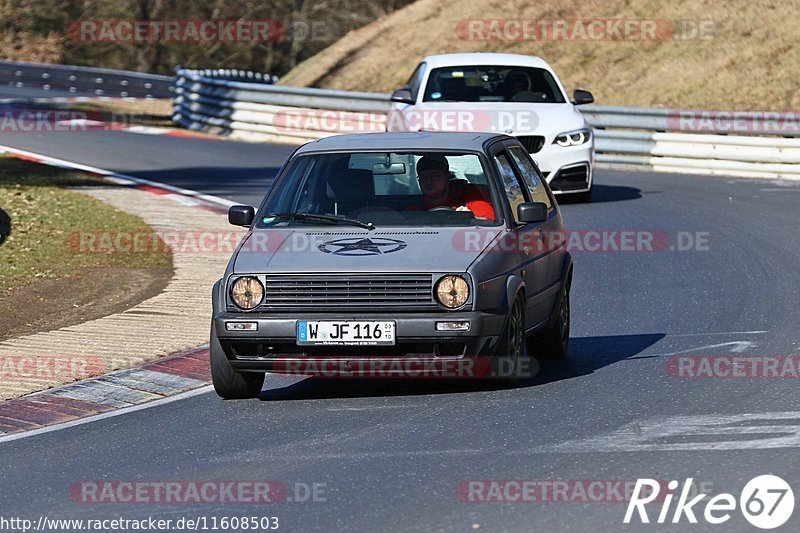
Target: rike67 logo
(766, 502)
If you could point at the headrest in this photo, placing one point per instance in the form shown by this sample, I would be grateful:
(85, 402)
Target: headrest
(351, 184)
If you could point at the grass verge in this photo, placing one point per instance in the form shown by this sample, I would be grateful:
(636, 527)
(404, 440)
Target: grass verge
(45, 283)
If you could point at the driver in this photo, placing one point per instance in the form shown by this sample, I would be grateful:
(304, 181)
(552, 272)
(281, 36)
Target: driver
(433, 173)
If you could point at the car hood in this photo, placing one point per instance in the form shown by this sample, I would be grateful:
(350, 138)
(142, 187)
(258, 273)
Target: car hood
(343, 250)
(514, 118)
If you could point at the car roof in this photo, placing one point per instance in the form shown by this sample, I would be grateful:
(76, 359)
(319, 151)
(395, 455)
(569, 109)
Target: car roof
(402, 141)
(485, 58)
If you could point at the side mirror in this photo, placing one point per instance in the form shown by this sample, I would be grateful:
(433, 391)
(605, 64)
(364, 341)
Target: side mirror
(580, 97)
(241, 215)
(531, 212)
(403, 95)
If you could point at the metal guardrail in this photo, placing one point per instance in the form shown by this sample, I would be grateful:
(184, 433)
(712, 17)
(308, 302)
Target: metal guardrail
(84, 81)
(731, 143)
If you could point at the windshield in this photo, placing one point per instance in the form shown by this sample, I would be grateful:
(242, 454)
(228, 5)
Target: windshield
(492, 84)
(383, 188)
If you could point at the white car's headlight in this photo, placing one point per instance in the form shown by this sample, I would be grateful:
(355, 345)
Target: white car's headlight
(452, 291)
(573, 138)
(247, 292)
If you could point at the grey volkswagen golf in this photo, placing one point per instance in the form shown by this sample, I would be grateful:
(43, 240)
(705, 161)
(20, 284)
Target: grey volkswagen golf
(394, 255)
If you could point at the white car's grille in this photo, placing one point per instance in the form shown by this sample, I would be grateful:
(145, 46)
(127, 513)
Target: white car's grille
(532, 143)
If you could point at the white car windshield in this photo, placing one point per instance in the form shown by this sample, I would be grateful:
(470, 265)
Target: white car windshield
(492, 84)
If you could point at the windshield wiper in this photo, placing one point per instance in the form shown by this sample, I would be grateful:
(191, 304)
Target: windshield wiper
(323, 218)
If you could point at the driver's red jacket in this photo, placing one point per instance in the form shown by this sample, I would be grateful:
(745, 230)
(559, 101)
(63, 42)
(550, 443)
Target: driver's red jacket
(460, 193)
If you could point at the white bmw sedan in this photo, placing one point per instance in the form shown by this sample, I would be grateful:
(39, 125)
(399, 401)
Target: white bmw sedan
(514, 94)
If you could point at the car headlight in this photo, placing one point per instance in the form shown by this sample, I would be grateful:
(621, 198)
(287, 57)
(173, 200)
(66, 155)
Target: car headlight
(451, 291)
(247, 292)
(573, 138)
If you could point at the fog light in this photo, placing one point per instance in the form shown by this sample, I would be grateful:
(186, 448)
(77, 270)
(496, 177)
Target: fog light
(241, 326)
(452, 326)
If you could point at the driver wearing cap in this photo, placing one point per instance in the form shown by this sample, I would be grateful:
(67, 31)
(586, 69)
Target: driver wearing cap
(433, 173)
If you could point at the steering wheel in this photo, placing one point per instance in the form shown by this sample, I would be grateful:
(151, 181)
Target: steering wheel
(441, 208)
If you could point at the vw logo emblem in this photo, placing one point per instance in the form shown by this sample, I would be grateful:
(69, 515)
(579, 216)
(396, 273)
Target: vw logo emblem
(362, 246)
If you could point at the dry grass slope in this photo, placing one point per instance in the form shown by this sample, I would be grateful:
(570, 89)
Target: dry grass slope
(751, 62)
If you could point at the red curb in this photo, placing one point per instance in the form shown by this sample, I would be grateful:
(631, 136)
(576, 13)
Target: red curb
(190, 364)
(184, 372)
(55, 408)
(25, 157)
(190, 375)
(46, 408)
(206, 205)
(180, 133)
(27, 412)
(153, 190)
(193, 364)
(214, 209)
(69, 406)
(8, 429)
(19, 424)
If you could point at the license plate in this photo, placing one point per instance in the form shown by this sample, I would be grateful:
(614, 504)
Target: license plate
(346, 332)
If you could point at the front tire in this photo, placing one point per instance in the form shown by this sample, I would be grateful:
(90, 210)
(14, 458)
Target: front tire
(553, 342)
(512, 344)
(228, 383)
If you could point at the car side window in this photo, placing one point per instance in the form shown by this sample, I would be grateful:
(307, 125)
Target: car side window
(529, 176)
(510, 182)
(415, 81)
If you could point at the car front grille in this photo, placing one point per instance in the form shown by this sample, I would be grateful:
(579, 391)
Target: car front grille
(532, 143)
(330, 291)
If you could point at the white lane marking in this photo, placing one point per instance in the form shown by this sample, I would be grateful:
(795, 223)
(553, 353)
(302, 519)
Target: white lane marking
(109, 414)
(147, 130)
(63, 163)
(674, 433)
(738, 347)
(712, 333)
(375, 407)
(80, 122)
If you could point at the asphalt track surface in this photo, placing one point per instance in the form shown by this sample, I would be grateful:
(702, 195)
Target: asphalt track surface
(392, 454)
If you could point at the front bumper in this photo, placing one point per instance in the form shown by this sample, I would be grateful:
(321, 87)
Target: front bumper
(566, 169)
(273, 345)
